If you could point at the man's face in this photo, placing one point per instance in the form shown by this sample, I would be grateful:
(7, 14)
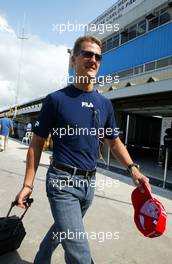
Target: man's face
(87, 62)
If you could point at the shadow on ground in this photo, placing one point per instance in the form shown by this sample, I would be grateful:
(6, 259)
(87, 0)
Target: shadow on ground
(24, 148)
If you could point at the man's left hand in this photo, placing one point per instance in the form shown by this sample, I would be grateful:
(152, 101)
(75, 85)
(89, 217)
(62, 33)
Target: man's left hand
(139, 179)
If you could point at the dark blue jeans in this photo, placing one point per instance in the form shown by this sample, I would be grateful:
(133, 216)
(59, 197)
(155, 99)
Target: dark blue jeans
(69, 196)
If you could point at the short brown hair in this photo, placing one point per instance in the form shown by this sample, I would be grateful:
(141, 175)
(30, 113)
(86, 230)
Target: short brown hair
(79, 41)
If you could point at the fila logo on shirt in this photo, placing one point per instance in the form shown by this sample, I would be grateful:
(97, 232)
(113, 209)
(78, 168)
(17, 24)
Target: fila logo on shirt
(86, 104)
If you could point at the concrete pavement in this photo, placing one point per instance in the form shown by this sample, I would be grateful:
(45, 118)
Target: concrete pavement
(111, 212)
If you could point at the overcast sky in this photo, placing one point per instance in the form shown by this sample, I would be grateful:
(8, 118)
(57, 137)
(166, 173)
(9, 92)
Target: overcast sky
(41, 63)
(43, 60)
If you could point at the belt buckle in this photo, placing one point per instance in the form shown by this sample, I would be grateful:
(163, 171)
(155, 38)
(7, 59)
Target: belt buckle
(87, 172)
(74, 171)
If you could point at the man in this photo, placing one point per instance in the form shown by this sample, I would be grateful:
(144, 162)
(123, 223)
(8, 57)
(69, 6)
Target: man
(75, 108)
(168, 145)
(6, 126)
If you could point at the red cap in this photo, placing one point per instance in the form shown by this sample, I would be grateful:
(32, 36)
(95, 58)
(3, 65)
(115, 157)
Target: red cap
(149, 214)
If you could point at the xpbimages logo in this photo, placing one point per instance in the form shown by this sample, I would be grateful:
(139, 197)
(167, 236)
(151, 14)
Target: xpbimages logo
(101, 132)
(100, 28)
(80, 235)
(95, 80)
(70, 182)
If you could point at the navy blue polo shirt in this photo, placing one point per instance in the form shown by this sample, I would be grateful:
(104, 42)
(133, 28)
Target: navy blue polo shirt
(76, 120)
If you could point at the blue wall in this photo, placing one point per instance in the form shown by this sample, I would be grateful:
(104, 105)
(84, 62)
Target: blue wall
(151, 46)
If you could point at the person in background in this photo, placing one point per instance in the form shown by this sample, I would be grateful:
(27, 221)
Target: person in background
(6, 126)
(168, 146)
(28, 127)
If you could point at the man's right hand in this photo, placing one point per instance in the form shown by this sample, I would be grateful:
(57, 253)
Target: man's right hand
(22, 196)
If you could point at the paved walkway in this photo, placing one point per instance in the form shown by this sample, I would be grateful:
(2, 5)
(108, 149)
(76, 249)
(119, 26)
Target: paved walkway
(111, 212)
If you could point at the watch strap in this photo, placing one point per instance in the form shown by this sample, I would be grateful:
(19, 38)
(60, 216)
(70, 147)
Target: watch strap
(130, 166)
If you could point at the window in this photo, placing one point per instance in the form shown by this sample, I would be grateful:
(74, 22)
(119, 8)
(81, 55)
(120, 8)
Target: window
(126, 73)
(150, 66)
(132, 32)
(104, 46)
(153, 23)
(109, 44)
(124, 36)
(138, 69)
(116, 41)
(164, 18)
(163, 63)
(141, 28)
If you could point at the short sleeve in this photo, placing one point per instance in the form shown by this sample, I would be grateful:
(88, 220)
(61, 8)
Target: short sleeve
(111, 129)
(45, 120)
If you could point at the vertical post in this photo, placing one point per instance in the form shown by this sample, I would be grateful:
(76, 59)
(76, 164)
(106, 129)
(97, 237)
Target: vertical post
(165, 167)
(127, 129)
(108, 157)
(22, 38)
(161, 143)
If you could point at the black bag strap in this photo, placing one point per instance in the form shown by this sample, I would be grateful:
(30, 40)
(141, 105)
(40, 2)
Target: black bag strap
(14, 203)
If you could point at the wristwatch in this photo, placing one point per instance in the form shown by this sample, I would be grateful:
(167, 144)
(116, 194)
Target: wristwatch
(129, 168)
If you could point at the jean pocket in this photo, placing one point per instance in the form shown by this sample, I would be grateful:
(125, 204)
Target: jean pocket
(57, 179)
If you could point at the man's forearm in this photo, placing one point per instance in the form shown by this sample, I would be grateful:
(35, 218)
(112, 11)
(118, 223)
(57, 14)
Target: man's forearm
(120, 152)
(33, 159)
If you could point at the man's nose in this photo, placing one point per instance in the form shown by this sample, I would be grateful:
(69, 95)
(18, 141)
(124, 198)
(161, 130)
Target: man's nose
(93, 58)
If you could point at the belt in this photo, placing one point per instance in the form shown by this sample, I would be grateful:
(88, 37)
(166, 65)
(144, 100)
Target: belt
(73, 170)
